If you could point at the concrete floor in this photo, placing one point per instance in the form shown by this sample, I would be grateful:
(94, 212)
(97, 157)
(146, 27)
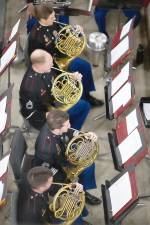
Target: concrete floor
(104, 165)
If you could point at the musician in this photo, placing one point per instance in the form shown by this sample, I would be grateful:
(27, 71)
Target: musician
(31, 17)
(44, 34)
(101, 11)
(50, 150)
(35, 92)
(35, 195)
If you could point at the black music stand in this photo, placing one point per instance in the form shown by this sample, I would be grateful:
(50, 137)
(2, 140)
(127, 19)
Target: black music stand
(5, 111)
(120, 52)
(145, 110)
(119, 102)
(8, 56)
(120, 196)
(130, 151)
(3, 178)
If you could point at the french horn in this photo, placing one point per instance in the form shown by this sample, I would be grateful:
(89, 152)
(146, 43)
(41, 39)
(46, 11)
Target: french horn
(71, 42)
(81, 152)
(68, 203)
(66, 90)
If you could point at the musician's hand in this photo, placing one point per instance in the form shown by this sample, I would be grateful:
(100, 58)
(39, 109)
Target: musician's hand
(92, 136)
(79, 186)
(30, 10)
(77, 76)
(79, 28)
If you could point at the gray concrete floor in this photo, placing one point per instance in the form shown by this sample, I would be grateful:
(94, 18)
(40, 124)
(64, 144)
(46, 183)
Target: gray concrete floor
(104, 165)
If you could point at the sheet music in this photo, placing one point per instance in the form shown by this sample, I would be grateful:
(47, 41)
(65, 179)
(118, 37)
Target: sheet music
(122, 97)
(130, 145)
(1, 190)
(14, 30)
(146, 109)
(132, 121)
(3, 117)
(119, 50)
(120, 79)
(4, 165)
(126, 28)
(120, 193)
(8, 55)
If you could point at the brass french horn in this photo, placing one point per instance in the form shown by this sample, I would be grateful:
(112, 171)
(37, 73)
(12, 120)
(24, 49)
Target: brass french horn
(81, 152)
(68, 203)
(66, 90)
(71, 42)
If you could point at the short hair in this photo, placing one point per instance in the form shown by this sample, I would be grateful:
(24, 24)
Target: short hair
(38, 176)
(56, 118)
(42, 11)
(39, 56)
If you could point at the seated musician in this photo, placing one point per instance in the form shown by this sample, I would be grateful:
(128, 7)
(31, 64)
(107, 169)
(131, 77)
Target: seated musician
(50, 149)
(31, 17)
(103, 7)
(44, 35)
(35, 92)
(35, 196)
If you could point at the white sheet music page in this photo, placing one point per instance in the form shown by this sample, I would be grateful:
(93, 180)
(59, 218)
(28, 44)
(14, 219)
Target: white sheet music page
(119, 50)
(120, 193)
(122, 97)
(14, 30)
(130, 145)
(4, 165)
(3, 117)
(1, 190)
(132, 121)
(126, 28)
(8, 55)
(146, 109)
(120, 79)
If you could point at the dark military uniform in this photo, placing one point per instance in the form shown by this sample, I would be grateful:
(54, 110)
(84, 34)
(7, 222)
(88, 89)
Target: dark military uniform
(33, 208)
(35, 96)
(50, 148)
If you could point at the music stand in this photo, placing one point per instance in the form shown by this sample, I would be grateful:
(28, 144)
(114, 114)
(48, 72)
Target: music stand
(145, 110)
(132, 121)
(5, 111)
(120, 196)
(120, 52)
(3, 179)
(130, 151)
(8, 56)
(14, 31)
(118, 103)
(121, 33)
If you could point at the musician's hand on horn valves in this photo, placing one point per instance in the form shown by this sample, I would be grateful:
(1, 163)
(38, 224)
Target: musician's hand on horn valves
(79, 28)
(78, 186)
(77, 76)
(92, 136)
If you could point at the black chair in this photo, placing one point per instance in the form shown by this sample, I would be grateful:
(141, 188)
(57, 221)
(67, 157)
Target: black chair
(20, 160)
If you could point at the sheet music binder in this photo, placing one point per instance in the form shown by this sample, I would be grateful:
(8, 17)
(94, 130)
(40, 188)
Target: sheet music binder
(8, 56)
(7, 110)
(120, 52)
(127, 29)
(113, 192)
(119, 79)
(125, 126)
(145, 110)
(114, 106)
(132, 156)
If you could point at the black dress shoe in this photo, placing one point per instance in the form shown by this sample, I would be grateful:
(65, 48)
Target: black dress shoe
(84, 222)
(91, 199)
(94, 101)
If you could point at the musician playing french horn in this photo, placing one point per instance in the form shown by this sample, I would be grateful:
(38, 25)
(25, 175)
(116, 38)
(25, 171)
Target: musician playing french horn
(38, 204)
(44, 35)
(50, 150)
(36, 92)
